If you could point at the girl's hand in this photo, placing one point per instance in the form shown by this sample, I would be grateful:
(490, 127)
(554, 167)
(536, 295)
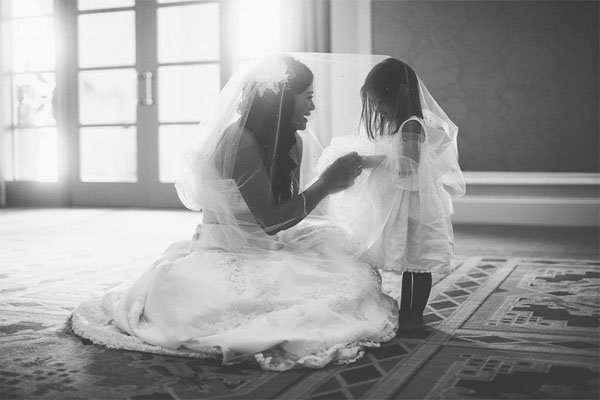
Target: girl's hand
(342, 172)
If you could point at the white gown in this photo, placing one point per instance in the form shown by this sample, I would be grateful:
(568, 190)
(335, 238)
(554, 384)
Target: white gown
(298, 299)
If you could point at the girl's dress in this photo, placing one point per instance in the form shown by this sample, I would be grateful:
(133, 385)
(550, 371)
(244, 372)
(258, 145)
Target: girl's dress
(399, 212)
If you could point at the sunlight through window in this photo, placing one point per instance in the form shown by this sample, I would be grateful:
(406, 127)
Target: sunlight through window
(31, 138)
(256, 29)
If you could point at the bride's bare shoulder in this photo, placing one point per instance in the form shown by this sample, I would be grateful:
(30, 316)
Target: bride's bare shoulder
(248, 145)
(238, 138)
(246, 150)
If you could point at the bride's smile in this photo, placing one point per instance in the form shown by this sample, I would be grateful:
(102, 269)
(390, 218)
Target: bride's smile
(303, 105)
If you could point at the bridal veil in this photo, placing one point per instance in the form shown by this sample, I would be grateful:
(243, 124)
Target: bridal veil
(207, 183)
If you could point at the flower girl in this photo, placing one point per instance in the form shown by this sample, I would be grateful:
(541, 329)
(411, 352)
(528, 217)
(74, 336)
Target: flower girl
(399, 209)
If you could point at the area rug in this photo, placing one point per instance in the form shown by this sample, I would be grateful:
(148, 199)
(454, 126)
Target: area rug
(496, 327)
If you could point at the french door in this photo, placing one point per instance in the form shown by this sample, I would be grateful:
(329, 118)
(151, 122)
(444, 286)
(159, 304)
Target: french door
(145, 74)
(101, 98)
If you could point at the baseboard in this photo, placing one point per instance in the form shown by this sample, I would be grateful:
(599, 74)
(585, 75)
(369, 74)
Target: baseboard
(527, 211)
(487, 178)
(548, 199)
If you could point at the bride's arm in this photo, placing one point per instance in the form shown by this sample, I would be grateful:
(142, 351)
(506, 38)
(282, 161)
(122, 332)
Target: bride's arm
(254, 184)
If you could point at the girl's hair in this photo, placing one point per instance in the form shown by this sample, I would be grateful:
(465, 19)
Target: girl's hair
(272, 129)
(396, 84)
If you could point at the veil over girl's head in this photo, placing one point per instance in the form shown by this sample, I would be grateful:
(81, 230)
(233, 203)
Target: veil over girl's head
(395, 84)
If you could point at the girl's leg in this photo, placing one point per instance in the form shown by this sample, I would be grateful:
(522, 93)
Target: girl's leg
(421, 289)
(406, 294)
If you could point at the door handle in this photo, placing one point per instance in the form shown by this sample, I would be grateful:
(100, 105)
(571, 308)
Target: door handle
(145, 79)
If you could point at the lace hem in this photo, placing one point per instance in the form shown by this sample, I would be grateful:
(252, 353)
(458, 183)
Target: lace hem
(405, 267)
(441, 268)
(339, 354)
(90, 322)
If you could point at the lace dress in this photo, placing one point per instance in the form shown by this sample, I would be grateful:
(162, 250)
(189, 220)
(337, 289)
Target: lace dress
(297, 299)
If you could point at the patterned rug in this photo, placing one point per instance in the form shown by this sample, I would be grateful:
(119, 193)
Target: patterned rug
(497, 328)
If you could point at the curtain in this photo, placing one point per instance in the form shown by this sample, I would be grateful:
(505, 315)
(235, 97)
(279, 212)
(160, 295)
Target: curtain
(3, 104)
(305, 26)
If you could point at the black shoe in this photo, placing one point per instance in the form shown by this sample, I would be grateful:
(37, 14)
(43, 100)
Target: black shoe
(414, 322)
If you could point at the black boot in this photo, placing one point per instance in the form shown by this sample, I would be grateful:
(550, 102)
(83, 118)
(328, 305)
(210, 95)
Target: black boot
(405, 297)
(420, 295)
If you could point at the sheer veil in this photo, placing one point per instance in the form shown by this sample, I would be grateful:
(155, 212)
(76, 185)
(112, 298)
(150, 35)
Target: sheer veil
(259, 95)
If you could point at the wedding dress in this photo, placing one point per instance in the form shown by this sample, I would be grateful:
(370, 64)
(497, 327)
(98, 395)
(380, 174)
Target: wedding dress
(300, 297)
(307, 304)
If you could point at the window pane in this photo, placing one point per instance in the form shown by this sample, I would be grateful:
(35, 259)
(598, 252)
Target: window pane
(188, 33)
(101, 4)
(107, 96)
(6, 63)
(173, 142)
(33, 96)
(35, 153)
(187, 93)
(6, 102)
(28, 8)
(108, 154)
(256, 27)
(107, 39)
(32, 44)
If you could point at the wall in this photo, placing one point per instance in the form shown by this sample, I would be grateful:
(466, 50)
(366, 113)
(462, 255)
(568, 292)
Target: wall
(521, 81)
(520, 78)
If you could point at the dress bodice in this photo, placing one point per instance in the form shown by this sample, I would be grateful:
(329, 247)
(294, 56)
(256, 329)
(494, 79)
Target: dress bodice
(237, 207)
(235, 230)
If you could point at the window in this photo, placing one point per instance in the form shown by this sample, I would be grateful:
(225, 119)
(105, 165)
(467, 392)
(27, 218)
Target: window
(29, 83)
(108, 115)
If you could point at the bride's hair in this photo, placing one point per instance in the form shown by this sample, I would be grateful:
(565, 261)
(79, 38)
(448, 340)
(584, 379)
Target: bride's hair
(270, 128)
(396, 84)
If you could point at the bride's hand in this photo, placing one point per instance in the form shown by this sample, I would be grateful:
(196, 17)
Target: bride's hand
(342, 172)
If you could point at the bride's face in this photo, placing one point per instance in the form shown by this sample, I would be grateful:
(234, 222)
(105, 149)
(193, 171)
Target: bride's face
(303, 105)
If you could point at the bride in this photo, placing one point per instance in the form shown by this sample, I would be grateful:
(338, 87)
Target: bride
(258, 279)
